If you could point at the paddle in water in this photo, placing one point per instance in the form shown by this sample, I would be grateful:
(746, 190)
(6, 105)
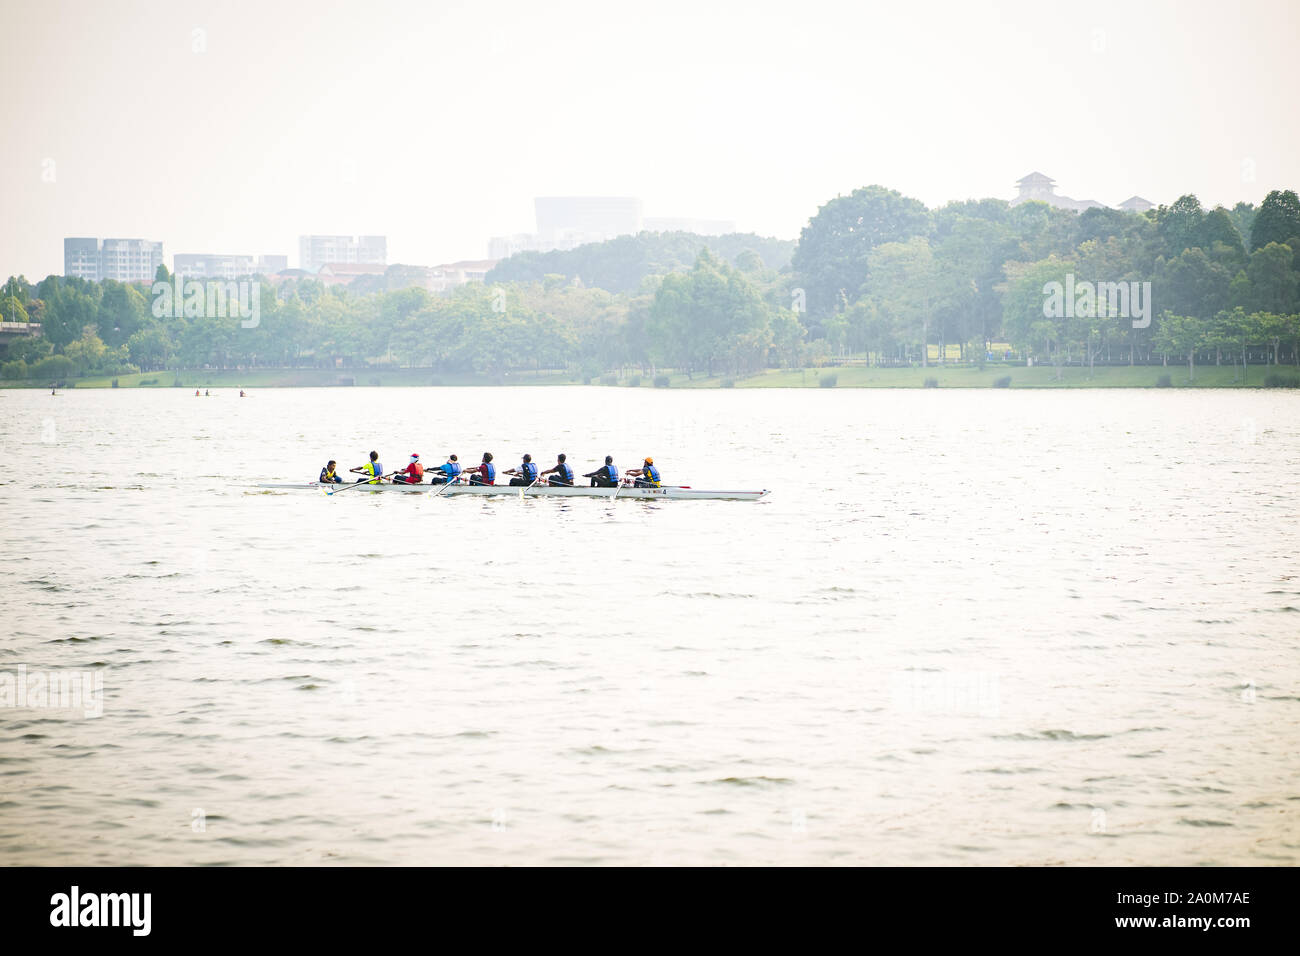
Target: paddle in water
(445, 485)
(360, 484)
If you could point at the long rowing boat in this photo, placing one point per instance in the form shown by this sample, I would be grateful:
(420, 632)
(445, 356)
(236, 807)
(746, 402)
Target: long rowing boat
(540, 491)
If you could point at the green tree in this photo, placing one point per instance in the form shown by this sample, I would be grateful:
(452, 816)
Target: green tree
(1179, 225)
(1277, 220)
(1218, 227)
(151, 347)
(12, 310)
(832, 259)
(122, 312)
(1192, 284)
(1182, 335)
(710, 314)
(30, 349)
(1273, 281)
(1030, 316)
(87, 354)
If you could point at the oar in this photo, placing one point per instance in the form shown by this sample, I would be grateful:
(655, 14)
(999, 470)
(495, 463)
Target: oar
(529, 488)
(445, 485)
(360, 483)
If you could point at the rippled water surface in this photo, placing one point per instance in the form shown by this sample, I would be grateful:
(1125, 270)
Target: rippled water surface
(966, 628)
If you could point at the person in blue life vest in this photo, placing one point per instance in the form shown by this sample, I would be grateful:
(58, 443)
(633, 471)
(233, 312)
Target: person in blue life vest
(448, 471)
(561, 474)
(372, 470)
(606, 476)
(327, 475)
(525, 474)
(647, 476)
(486, 473)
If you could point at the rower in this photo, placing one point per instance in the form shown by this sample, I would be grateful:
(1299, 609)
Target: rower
(605, 476)
(372, 469)
(327, 475)
(525, 474)
(486, 474)
(447, 472)
(412, 474)
(647, 476)
(241, 393)
(561, 474)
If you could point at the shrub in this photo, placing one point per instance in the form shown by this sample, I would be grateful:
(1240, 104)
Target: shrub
(14, 369)
(148, 381)
(661, 381)
(728, 383)
(1003, 382)
(115, 383)
(55, 368)
(931, 383)
(609, 380)
(634, 381)
(1164, 381)
(828, 381)
(1274, 380)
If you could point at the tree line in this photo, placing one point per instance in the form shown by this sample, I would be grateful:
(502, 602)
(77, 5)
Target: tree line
(875, 275)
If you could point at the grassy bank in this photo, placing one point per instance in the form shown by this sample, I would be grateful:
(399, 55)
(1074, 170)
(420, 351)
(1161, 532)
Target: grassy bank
(1142, 376)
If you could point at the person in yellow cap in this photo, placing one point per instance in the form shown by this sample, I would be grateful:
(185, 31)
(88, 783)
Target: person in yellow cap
(647, 476)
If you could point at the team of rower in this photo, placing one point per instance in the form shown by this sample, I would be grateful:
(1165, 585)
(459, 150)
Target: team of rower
(526, 474)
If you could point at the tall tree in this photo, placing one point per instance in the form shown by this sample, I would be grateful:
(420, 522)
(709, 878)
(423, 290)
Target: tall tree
(1179, 225)
(1278, 219)
(831, 260)
(1273, 282)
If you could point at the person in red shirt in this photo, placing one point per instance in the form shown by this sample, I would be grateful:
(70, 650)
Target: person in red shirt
(412, 474)
(486, 473)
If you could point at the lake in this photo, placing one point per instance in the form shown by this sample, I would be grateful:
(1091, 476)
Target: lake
(967, 627)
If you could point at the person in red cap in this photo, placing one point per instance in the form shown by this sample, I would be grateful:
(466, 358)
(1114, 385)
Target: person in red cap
(412, 474)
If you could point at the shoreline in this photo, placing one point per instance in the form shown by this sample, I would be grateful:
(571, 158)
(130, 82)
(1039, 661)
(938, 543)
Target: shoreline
(844, 377)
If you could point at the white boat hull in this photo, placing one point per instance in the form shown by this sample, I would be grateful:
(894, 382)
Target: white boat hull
(537, 491)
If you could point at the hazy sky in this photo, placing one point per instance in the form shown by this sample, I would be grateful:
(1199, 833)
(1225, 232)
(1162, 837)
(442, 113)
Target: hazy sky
(436, 123)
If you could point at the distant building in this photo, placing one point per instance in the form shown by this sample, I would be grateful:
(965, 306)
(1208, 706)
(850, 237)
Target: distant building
(316, 251)
(124, 260)
(586, 218)
(130, 260)
(1039, 188)
(453, 274)
(566, 222)
(1136, 204)
(503, 247)
(201, 265)
(81, 258)
(345, 273)
(700, 227)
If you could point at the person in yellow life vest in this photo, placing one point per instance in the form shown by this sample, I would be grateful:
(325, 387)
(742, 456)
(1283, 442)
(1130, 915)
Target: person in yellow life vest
(327, 475)
(647, 476)
(372, 469)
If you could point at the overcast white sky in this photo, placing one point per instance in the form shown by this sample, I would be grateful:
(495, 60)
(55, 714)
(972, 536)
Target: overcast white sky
(436, 123)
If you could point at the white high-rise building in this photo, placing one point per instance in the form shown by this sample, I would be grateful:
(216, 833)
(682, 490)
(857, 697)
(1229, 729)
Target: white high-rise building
(316, 251)
(126, 260)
